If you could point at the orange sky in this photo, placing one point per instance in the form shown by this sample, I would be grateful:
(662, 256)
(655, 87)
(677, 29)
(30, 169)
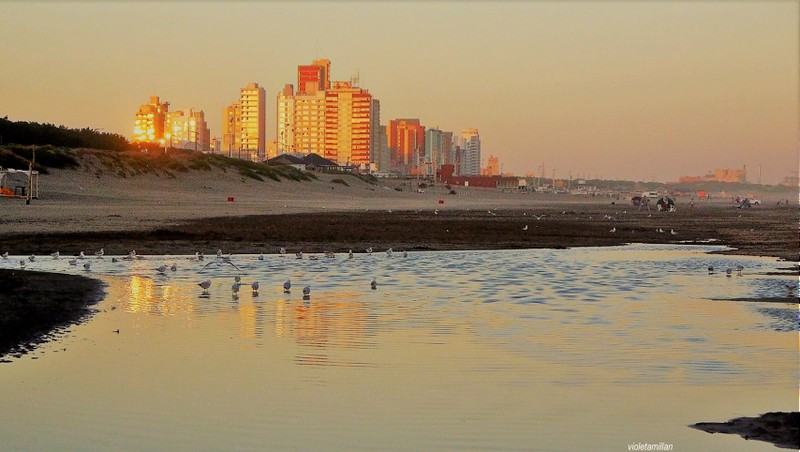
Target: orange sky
(620, 90)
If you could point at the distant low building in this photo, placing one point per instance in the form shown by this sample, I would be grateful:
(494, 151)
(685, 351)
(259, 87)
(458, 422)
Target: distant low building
(719, 175)
(446, 175)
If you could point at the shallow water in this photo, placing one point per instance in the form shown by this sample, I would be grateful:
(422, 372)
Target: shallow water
(590, 348)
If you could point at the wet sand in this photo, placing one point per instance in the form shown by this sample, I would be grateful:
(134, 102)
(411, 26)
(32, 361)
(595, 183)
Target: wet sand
(780, 429)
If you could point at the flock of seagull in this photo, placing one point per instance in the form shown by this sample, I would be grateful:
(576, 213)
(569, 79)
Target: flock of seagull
(219, 260)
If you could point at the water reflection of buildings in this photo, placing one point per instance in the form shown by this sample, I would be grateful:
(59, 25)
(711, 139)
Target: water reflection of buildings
(144, 296)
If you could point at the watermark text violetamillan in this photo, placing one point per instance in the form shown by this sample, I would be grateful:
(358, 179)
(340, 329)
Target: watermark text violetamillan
(649, 446)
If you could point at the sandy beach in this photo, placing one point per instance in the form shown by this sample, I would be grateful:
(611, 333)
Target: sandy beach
(156, 213)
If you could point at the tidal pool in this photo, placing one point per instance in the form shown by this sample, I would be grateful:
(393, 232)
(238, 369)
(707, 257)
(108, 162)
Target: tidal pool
(585, 348)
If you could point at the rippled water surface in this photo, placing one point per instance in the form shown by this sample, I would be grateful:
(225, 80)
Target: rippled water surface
(590, 348)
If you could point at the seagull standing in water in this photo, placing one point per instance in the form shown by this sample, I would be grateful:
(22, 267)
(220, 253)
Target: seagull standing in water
(282, 251)
(374, 284)
(389, 252)
(350, 254)
(73, 262)
(100, 253)
(56, 255)
(287, 286)
(710, 269)
(235, 289)
(174, 267)
(87, 266)
(5, 255)
(261, 256)
(81, 255)
(306, 292)
(254, 286)
(32, 258)
(22, 263)
(162, 269)
(205, 285)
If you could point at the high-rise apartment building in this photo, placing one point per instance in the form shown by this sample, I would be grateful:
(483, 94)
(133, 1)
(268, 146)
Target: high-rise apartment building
(406, 139)
(309, 123)
(150, 121)
(348, 124)
(244, 124)
(187, 129)
(314, 77)
(231, 139)
(471, 153)
(492, 166)
(337, 120)
(438, 149)
(284, 120)
(375, 133)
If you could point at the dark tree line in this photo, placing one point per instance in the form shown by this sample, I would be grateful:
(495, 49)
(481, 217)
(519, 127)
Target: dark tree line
(21, 132)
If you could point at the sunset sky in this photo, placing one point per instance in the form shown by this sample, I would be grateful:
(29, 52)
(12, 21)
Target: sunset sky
(620, 90)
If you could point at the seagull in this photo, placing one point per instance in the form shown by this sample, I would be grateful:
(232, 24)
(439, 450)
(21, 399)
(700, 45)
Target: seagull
(299, 254)
(350, 254)
(218, 263)
(32, 258)
(374, 284)
(405, 253)
(287, 286)
(660, 231)
(306, 293)
(525, 228)
(219, 253)
(436, 211)
(282, 251)
(114, 260)
(491, 213)
(174, 267)
(22, 263)
(710, 269)
(389, 252)
(672, 231)
(5, 255)
(56, 255)
(369, 250)
(235, 289)
(613, 230)
(254, 286)
(539, 217)
(205, 285)
(330, 254)
(100, 253)
(87, 266)
(261, 256)
(237, 278)
(728, 272)
(161, 269)
(73, 261)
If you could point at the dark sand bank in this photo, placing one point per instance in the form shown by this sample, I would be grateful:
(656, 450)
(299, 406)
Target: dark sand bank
(35, 304)
(767, 232)
(780, 429)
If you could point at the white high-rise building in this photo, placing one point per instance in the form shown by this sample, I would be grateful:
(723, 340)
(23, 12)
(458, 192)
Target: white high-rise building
(244, 124)
(471, 153)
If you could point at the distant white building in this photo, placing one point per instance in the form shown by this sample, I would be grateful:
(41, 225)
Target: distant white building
(471, 153)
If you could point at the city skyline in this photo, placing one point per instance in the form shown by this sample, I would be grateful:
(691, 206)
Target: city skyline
(617, 90)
